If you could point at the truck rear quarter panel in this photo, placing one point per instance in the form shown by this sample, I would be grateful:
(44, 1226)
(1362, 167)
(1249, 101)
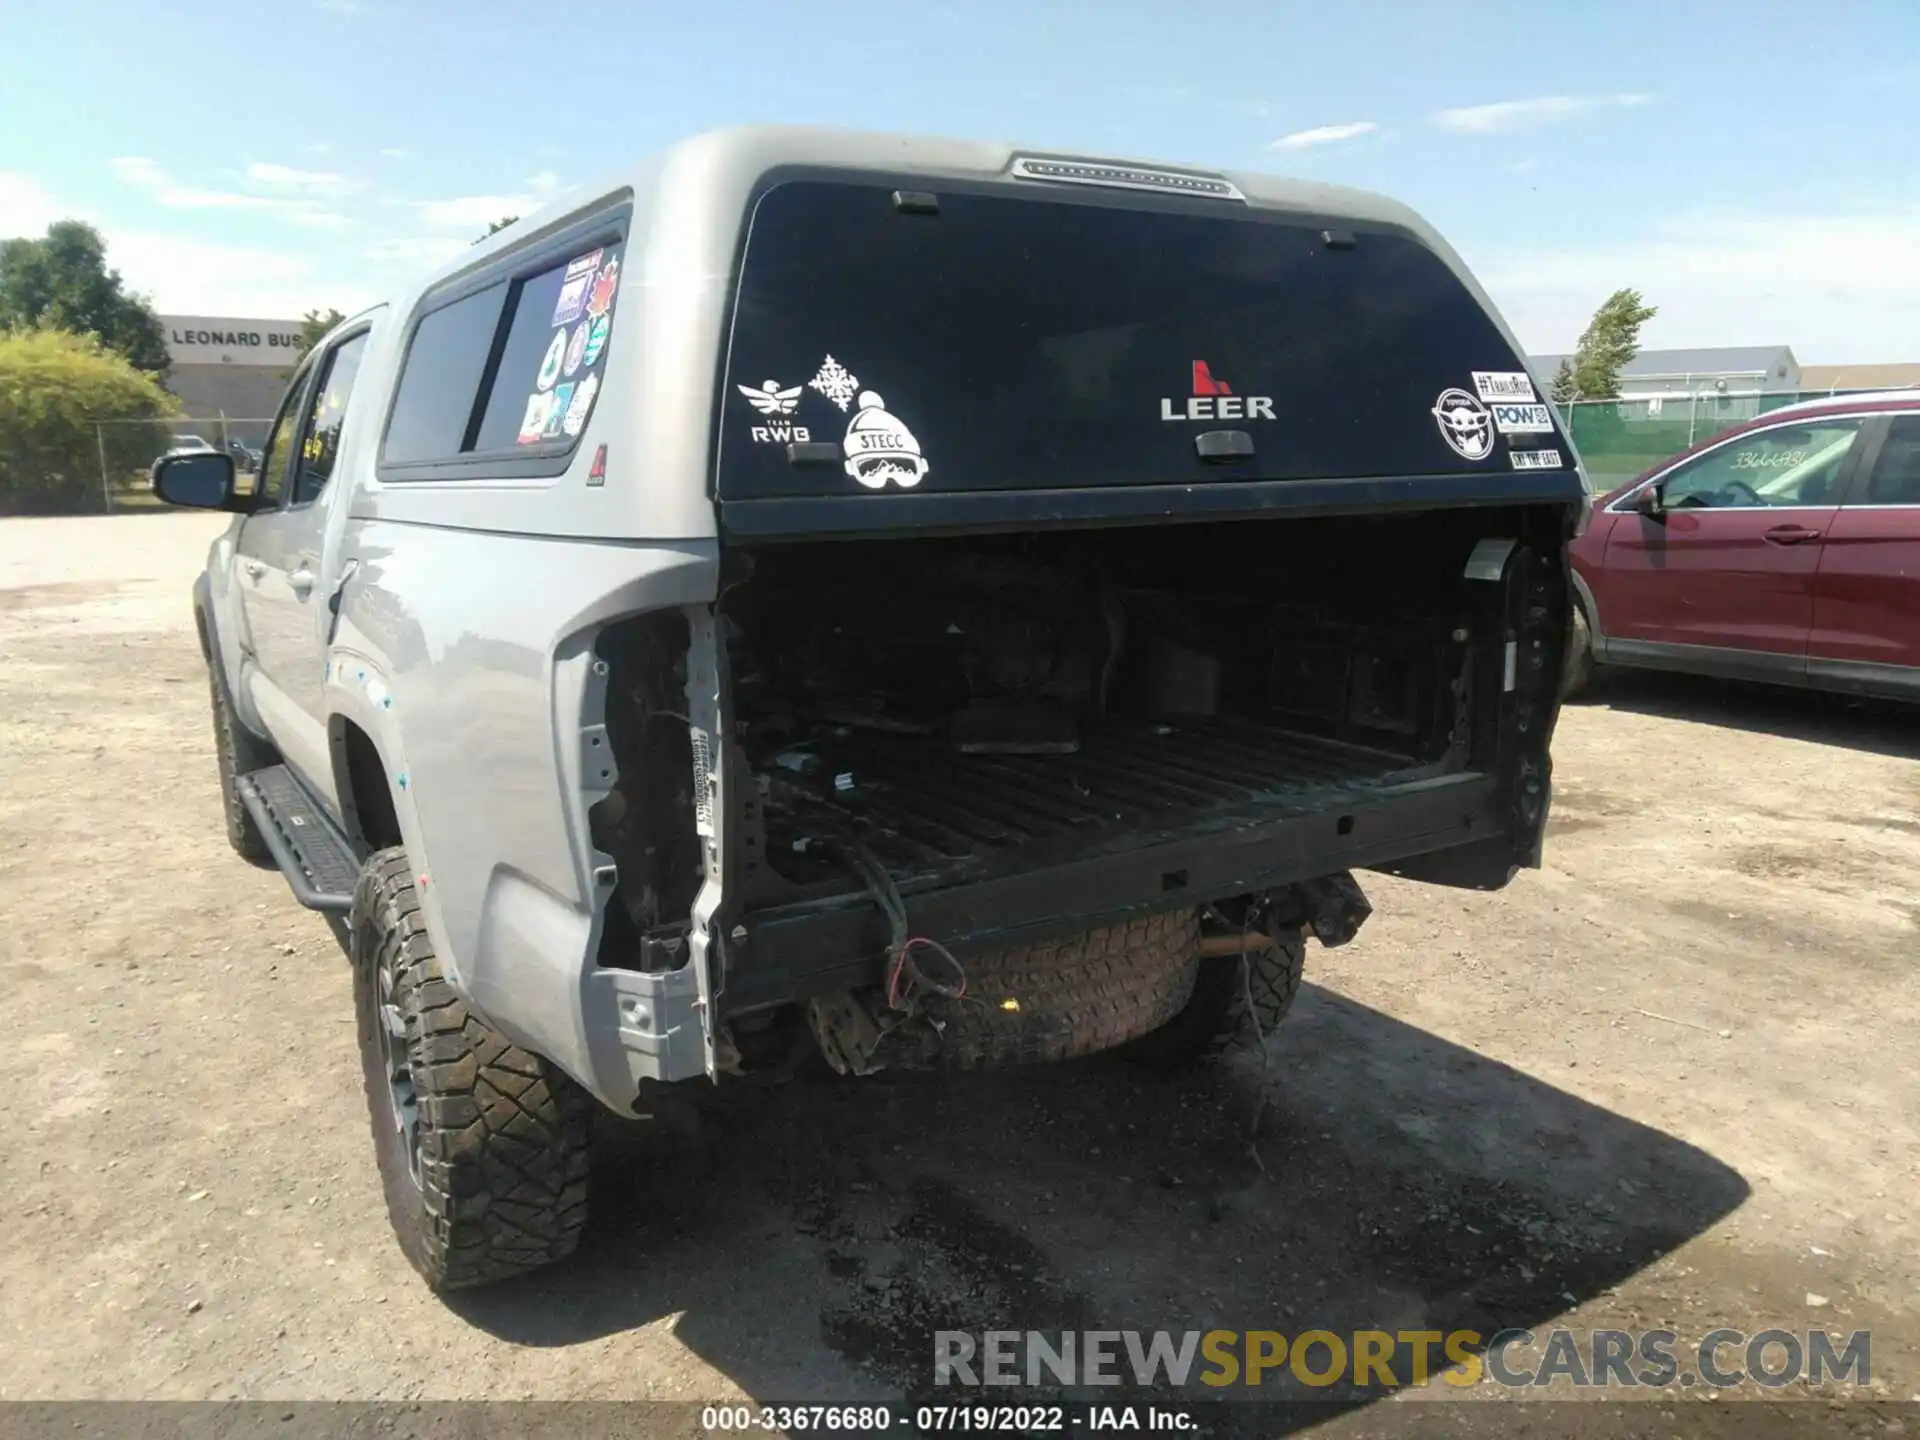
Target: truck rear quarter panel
(467, 656)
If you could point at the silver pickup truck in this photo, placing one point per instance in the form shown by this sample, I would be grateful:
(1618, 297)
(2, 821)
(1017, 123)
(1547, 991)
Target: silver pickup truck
(897, 602)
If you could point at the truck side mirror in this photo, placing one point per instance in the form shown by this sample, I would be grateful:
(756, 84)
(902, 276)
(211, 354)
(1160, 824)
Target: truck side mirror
(201, 481)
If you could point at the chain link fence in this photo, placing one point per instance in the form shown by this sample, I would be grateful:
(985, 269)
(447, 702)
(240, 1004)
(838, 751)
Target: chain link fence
(1620, 439)
(123, 447)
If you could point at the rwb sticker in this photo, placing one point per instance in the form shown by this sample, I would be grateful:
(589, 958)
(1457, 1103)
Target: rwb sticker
(1503, 385)
(1512, 419)
(1536, 459)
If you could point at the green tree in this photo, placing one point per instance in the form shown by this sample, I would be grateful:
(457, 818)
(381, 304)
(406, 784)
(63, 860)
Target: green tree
(497, 226)
(62, 281)
(1611, 340)
(1563, 388)
(314, 326)
(54, 386)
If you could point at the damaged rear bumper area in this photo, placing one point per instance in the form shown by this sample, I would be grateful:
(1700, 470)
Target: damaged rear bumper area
(977, 747)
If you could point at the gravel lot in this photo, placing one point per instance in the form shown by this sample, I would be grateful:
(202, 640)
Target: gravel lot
(1673, 1078)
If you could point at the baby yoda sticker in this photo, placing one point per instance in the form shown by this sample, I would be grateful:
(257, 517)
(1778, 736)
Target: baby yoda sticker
(880, 449)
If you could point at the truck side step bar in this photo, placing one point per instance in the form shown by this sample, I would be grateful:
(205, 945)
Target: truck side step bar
(318, 861)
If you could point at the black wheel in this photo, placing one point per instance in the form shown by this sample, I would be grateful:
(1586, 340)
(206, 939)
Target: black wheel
(482, 1146)
(1577, 674)
(237, 751)
(1219, 1019)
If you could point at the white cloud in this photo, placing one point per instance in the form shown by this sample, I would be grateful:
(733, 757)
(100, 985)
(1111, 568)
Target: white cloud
(343, 7)
(185, 276)
(544, 182)
(472, 212)
(197, 277)
(287, 179)
(1504, 116)
(1836, 288)
(296, 198)
(420, 252)
(26, 206)
(1325, 135)
(396, 154)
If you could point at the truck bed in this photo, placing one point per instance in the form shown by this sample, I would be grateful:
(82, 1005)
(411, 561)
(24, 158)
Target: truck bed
(934, 817)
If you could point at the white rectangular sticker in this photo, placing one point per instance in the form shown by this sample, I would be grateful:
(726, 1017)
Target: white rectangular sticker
(1510, 418)
(1503, 385)
(1535, 459)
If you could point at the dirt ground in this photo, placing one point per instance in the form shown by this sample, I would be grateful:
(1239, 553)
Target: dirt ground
(1671, 1079)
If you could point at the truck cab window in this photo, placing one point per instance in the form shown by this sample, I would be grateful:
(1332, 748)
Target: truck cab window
(320, 447)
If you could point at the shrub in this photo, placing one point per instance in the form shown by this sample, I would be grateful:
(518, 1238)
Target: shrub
(54, 386)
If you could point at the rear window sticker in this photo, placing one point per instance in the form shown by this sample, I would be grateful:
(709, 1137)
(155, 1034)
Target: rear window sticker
(880, 449)
(1535, 459)
(1503, 384)
(557, 412)
(597, 329)
(1464, 424)
(576, 350)
(836, 382)
(600, 299)
(575, 419)
(1213, 399)
(573, 288)
(769, 399)
(1516, 419)
(773, 400)
(550, 366)
(539, 409)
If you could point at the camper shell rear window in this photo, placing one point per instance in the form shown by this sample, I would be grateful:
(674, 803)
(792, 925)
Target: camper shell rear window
(1050, 341)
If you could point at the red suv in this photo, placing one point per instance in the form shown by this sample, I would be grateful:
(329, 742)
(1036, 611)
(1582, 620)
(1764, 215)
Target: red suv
(1787, 551)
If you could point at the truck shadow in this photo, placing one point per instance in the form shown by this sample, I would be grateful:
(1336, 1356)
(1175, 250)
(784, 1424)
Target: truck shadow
(1878, 727)
(812, 1239)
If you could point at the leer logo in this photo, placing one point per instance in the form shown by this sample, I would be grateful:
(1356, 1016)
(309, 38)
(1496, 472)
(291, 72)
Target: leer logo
(1213, 399)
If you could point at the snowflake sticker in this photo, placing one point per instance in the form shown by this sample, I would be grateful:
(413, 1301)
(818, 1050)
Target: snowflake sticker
(836, 382)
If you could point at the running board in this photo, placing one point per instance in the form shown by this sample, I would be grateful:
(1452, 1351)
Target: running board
(318, 861)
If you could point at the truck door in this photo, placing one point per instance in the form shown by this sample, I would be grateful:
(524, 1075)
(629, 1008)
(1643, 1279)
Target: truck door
(279, 559)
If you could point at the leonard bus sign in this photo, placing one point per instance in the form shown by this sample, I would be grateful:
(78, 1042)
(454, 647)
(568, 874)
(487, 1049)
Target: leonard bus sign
(211, 340)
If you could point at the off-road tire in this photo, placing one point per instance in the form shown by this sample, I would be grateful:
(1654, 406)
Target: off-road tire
(1091, 992)
(1217, 1022)
(237, 750)
(502, 1136)
(1577, 674)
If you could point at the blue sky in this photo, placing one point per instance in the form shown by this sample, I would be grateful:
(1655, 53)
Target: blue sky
(1750, 167)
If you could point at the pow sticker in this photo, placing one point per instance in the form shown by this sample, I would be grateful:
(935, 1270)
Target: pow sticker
(576, 350)
(880, 449)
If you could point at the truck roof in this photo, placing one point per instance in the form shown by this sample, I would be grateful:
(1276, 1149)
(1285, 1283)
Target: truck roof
(719, 165)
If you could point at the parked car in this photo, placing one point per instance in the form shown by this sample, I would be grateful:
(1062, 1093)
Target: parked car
(188, 445)
(244, 455)
(965, 608)
(1785, 551)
